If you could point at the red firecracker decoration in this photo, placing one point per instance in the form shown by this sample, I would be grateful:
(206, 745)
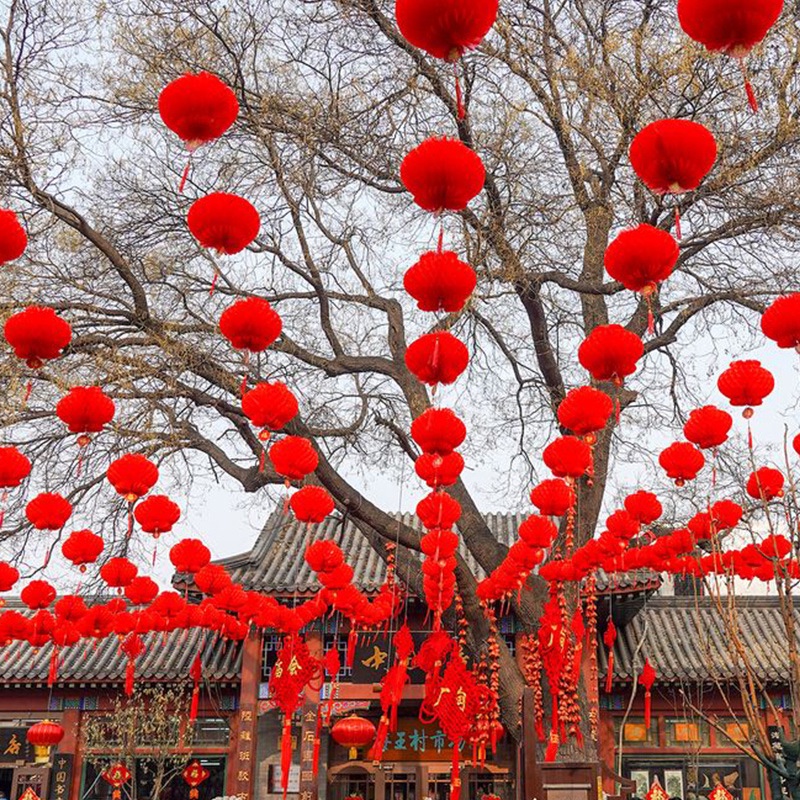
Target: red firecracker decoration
(223, 222)
(553, 497)
(781, 321)
(269, 406)
(708, 427)
(609, 640)
(293, 457)
(438, 430)
(118, 573)
(437, 358)
(82, 547)
(647, 679)
(38, 594)
(439, 281)
(746, 383)
(567, 457)
(610, 353)
(37, 335)
(132, 476)
(14, 468)
(442, 174)
(194, 774)
(438, 471)
(585, 411)
(189, 555)
(117, 775)
(157, 514)
(48, 511)
(353, 732)
(85, 410)
(765, 483)
(13, 239)
(311, 504)
(681, 461)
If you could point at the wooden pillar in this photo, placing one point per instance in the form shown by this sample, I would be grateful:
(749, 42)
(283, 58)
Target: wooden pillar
(529, 783)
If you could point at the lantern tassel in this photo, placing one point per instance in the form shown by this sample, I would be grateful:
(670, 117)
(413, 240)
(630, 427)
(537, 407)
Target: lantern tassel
(185, 174)
(647, 708)
(455, 774)
(52, 675)
(376, 754)
(286, 753)
(214, 280)
(610, 672)
(352, 639)
(748, 87)
(28, 390)
(677, 222)
(130, 672)
(460, 109)
(552, 747)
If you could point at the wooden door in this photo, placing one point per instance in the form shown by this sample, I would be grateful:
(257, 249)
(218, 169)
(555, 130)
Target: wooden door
(34, 778)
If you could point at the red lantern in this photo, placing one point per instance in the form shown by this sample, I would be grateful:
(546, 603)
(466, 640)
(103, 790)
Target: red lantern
(48, 512)
(43, 736)
(117, 775)
(439, 543)
(189, 555)
(746, 383)
(37, 594)
(85, 410)
(647, 679)
(14, 468)
(438, 470)
(442, 173)
(82, 547)
(118, 573)
(795, 444)
(673, 155)
(250, 324)
(585, 411)
(269, 406)
(553, 497)
(157, 514)
(141, 591)
(13, 239)
(681, 461)
(311, 504)
(775, 547)
(223, 222)
(708, 426)
(610, 353)
(437, 358)
(353, 732)
(439, 281)
(199, 108)
(212, 579)
(132, 476)
(438, 430)
(438, 510)
(781, 321)
(567, 457)
(641, 258)
(726, 514)
(538, 531)
(194, 774)
(765, 484)
(37, 334)
(293, 457)
(643, 506)
(8, 577)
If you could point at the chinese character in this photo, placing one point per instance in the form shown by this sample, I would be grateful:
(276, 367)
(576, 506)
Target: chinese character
(377, 658)
(294, 666)
(308, 736)
(438, 741)
(306, 795)
(310, 716)
(247, 716)
(442, 692)
(461, 698)
(61, 777)
(400, 740)
(243, 775)
(277, 670)
(244, 755)
(14, 746)
(245, 735)
(306, 776)
(416, 740)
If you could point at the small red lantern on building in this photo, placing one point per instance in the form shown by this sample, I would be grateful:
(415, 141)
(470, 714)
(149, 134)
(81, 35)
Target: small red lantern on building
(353, 732)
(194, 774)
(43, 736)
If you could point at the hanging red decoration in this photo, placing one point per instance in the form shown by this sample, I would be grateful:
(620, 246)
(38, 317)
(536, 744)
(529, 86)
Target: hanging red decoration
(795, 445)
(223, 222)
(708, 427)
(293, 457)
(44, 736)
(438, 471)
(250, 324)
(585, 411)
(353, 732)
(85, 410)
(553, 497)
(211, 580)
(765, 483)
(8, 577)
(141, 591)
(681, 461)
(48, 511)
(643, 506)
(642, 257)
(14, 468)
(194, 774)
(567, 457)
(82, 547)
(189, 555)
(269, 406)
(442, 174)
(37, 334)
(440, 281)
(311, 504)
(538, 531)
(610, 353)
(38, 594)
(438, 510)
(437, 358)
(609, 640)
(157, 514)
(646, 679)
(746, 383)
(117, 775)
(781, 321)
(13, 239)
(132, 476)
(118, 573)
(438, 430)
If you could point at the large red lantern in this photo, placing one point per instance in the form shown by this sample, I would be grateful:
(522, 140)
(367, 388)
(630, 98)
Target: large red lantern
(438, 430)
(567, 457)
(643, 506)
(439, 470)
(781, 321)
(37, 334)
(8, 577)
(746, 383)
(223, 222)
(85, 410)
(765, 483)
(13, 239)
(442, 174)
(585, 411)
(681, 461)
(48, 511)
(440, 281)
(132, 476)
(437, 358)
(38, 594)
(44, 736)
(189, 555)
(82, 547)
(353, 732)
(14, 467)
(250, 324)
(642, 257)
(708, 426)
(610, 353)
(553, 497)
(269, 406)
(293, 457)
(118, 573)
(311, 504)
(538, 531)
(157, 514)
(212, 579)
(438, 510)
(141, 591)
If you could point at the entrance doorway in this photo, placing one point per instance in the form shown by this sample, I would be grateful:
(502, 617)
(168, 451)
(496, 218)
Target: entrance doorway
(6, 782)
(29, 777)
(401, 786)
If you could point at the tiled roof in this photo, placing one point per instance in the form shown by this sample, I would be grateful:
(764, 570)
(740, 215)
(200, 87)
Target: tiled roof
(685, 640)
(276, 563)
(166, 657)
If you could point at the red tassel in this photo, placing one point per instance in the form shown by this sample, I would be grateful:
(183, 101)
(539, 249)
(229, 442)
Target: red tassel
(195, 703)
(677, 223)
(28, 390)
(376, 754)
(130, 672)
(462, 112)
(440, 243)
(552, 747)
(185, 174)
(540, 729)
(651, 320)
(352, 639)
(455, 774)
(647, 709)
(610, 673)
(52, 675)
(748, 88)
(286, 753)
(213, 284)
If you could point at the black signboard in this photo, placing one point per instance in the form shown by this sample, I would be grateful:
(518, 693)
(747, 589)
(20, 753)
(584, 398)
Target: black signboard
(374, 656)
(14, 747)
(61, 776)
(776, 739)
